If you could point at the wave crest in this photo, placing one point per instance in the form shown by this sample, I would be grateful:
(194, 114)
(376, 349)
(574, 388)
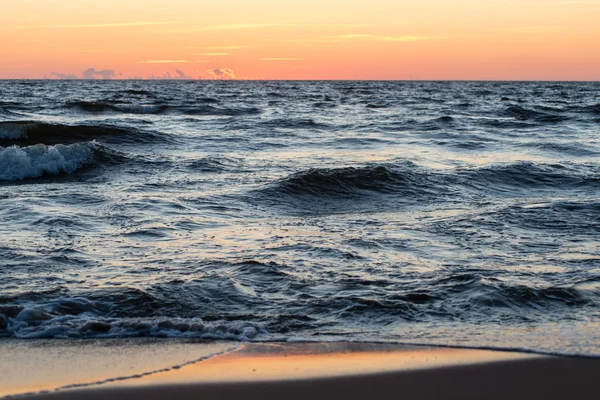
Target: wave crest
(128, 108)
(31, 132)
(18, 163)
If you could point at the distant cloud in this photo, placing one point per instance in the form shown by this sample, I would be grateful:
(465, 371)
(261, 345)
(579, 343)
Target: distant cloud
(60, 75)
(407, 38)
(213, 54)
(221, 73)
(163, 61)
(178, 75)
(182, 75)
(281, 59)
(92, 73)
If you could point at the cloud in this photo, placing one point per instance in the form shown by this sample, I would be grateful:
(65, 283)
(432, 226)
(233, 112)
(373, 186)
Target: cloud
(281, 59)
(221, 73)
(178, 75)
(163, 61)
(213, 54)
(166, 75)
(60, 75)
(92, 73)
(407, 38)
(182, 75)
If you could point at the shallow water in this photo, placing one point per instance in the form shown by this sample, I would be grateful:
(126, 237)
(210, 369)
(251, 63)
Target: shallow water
(454, 213)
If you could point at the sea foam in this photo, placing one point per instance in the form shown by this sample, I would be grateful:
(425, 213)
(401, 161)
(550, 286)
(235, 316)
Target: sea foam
(18, 163)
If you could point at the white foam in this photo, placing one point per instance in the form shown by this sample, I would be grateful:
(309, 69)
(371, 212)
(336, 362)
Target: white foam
(18, 163)
(13, 131)
(33, 323)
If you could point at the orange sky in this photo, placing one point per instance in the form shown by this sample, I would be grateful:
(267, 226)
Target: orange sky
(302, 39)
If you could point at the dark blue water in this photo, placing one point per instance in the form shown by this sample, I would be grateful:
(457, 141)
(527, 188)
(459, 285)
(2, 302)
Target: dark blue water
(453, 213)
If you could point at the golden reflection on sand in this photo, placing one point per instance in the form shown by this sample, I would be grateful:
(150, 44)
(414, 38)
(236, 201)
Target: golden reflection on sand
(304, 361)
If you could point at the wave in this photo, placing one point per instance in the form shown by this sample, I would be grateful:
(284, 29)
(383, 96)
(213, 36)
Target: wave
(486, 293)
(30, 132)
(4, 112)
(123, 312)
(410, 181)
(225, 111)
(290, 123)
(529, 175)
(352, 181)
(79, 317)
(446, 119)
(138, 92)
(377, 105)
(18, 163)
(591, 109)
(203, 107)
(175, 312)
(576, 149)
(212, 164)
(566, 217)
(525, 114)
(102, 107)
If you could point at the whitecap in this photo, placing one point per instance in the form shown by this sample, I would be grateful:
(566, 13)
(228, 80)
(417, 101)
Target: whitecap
(18, 163)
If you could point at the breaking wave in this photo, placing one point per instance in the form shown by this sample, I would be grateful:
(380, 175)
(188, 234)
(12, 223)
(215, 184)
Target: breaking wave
(18, 163)
(176, 309)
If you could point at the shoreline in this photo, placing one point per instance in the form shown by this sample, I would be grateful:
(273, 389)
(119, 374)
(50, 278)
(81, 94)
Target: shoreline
(157, 369)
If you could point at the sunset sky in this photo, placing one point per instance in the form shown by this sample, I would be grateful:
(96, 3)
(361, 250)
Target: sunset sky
(301, 39)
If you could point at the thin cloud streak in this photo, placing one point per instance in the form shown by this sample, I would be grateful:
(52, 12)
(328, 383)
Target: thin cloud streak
(163, 61)
(281, 59)
(213, 54)
(406, 38)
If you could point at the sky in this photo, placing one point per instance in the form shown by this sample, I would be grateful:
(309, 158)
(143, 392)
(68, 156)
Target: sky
(301, 39)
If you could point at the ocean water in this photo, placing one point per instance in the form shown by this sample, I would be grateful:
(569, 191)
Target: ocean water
(447, 213)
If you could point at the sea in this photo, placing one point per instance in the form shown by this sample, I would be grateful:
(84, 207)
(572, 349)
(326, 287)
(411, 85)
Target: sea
(432, 213)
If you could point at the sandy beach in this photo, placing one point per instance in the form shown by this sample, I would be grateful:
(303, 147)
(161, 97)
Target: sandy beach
(151, 369)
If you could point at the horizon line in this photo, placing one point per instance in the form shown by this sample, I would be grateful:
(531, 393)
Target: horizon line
(304, 80)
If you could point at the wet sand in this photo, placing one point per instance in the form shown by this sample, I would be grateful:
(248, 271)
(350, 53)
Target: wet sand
(155, 369)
